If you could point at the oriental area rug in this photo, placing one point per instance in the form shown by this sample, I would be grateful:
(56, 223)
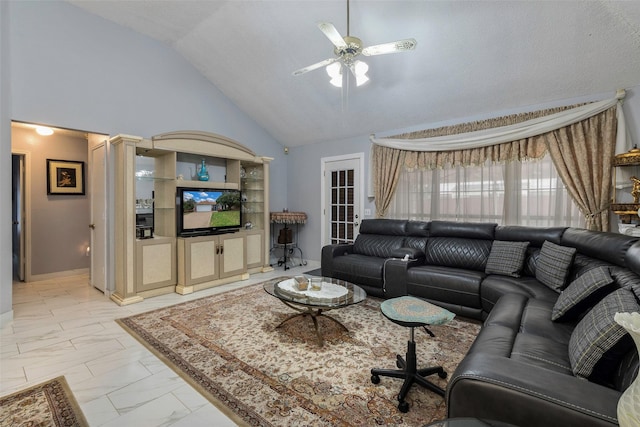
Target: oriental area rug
(48, 404)
(227, 346)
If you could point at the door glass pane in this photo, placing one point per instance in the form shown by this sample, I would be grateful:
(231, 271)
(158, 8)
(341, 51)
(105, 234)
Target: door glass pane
(342, 206)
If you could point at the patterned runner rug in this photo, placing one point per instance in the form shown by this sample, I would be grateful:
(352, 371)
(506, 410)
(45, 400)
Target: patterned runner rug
(48, 404)
(227, 346)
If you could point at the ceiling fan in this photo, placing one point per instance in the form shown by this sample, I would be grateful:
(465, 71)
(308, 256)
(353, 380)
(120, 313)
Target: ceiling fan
(347, 49)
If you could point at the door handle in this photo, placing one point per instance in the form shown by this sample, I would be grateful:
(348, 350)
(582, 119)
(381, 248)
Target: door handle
(92, 226)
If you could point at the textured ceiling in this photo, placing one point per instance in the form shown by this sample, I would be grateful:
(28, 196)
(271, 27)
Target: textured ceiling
(473, 58)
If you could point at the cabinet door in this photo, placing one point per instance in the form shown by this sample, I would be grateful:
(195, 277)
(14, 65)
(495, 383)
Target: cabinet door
(255, 247)
(233, 255)
(156, 264)
(198, 260)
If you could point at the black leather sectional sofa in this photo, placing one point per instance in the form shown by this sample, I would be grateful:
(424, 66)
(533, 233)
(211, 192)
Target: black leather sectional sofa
(549, 353)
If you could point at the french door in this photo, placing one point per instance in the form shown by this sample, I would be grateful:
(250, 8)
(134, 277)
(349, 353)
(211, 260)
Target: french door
(342, 201)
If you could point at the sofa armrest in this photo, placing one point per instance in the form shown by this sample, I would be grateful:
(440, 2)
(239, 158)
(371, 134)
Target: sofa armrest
(395, 275)
(411, 253)
(329, 252)
(503, 389)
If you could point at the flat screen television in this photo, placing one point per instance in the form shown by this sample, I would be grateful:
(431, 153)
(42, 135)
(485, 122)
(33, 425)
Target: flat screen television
(204, 211)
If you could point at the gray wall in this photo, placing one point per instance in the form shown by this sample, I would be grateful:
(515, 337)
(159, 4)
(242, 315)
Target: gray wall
(76, 70)
(304, 162)
(67, 68)
(59, 232)
(6, 287)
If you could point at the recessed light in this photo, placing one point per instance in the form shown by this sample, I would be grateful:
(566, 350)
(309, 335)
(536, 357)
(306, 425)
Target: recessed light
(44, 131)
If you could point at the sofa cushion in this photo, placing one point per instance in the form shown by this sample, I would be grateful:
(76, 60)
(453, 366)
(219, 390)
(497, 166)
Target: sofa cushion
(553, 264)
(537, 350)
(506, 258)
(493, 287)
(457, 252)
(582, 294)
(448, 285)
(359, 269)
(598, 343)
(377, 245)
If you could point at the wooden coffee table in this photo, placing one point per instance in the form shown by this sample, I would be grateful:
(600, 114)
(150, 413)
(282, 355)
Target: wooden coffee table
(334, 294)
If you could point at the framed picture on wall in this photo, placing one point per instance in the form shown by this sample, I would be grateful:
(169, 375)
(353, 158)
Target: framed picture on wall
(65, 177)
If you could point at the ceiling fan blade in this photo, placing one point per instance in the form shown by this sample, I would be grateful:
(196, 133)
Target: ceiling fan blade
(332, 34)
(392, 47)
(315, 66)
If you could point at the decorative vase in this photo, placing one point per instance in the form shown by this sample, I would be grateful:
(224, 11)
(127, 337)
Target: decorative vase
(629, 403)
(203, 174)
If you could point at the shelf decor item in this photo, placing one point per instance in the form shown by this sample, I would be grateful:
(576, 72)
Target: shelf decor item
(65, 177)
(628, 407)
(203, 174)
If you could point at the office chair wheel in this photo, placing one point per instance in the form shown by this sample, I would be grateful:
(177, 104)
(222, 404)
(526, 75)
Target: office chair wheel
(399, 362)
(375, 379)
(403, 407)
(442, 374)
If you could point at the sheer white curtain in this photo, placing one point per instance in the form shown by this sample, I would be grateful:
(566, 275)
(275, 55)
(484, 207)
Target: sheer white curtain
(514, 193)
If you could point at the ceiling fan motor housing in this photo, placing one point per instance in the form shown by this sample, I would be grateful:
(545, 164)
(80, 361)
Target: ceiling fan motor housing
(353, 48)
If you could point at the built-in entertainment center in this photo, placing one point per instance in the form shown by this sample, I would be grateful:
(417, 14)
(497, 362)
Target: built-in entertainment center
(191, 212)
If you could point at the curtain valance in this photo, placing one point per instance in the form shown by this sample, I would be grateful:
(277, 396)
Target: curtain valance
(510, 133)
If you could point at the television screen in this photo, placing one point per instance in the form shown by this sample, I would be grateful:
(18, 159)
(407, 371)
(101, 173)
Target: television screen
(204, 211)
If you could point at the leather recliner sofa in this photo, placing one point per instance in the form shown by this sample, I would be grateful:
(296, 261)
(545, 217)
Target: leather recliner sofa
(523, 367)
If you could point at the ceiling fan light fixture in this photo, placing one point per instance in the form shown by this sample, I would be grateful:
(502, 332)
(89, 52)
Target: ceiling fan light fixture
(335, 72)
(360, 69)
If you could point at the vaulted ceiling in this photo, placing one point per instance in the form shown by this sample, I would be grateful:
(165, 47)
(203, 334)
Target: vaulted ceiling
(473, 58)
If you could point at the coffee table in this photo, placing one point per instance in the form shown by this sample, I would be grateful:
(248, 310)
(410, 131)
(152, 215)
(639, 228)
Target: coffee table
(334, 294)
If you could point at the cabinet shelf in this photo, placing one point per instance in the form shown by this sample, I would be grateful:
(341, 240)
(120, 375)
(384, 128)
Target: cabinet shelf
(207, 184)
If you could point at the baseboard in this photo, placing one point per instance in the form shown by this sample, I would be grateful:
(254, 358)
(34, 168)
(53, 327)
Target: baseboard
(58, 274)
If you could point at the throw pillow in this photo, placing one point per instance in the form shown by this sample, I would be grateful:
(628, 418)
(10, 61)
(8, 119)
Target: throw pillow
(582, 294)
(552, 267)
(506, 258)
(598, 342)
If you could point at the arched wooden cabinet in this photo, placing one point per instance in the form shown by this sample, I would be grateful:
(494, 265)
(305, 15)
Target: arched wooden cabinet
(148, 173)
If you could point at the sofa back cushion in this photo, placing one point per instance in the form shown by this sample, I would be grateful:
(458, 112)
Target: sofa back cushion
(467, 230)
(535, 235)
(458, 252)
(610, 247)
(387, 227)
(380, 246)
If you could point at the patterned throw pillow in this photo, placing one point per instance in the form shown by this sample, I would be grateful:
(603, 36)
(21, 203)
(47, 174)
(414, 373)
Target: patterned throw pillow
(598, 342)
(554, 262)
(582, 293)
(506, 258)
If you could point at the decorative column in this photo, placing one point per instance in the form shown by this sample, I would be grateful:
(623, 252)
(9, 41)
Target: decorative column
(124, 151)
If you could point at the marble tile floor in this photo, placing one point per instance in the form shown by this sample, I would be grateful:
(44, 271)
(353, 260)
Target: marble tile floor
(64, 326)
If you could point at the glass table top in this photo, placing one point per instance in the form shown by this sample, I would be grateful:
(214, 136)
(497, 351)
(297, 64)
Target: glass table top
(334, 293)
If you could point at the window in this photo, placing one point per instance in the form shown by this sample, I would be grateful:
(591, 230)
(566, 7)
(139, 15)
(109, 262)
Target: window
(516, 193)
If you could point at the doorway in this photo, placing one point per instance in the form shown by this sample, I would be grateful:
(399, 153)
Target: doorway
(343, 197)
(50, 234)
(18, 214)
